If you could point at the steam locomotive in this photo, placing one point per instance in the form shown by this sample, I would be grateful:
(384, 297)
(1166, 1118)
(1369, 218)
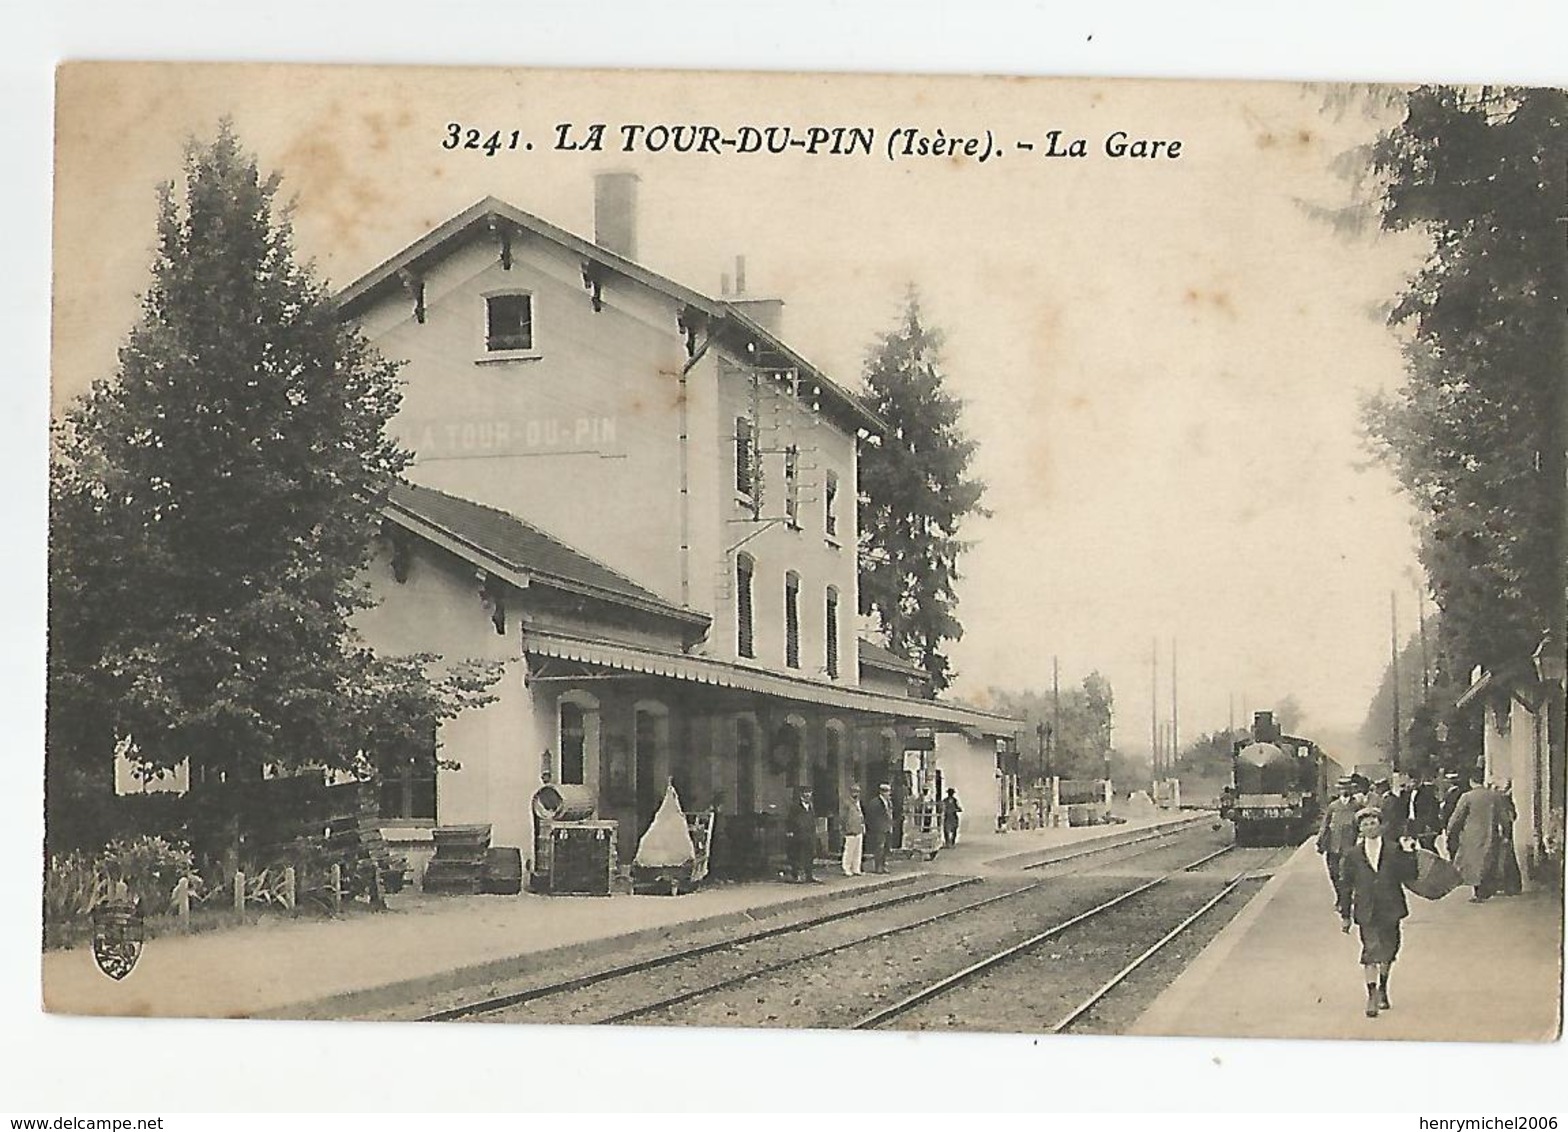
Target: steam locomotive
(1278, 788)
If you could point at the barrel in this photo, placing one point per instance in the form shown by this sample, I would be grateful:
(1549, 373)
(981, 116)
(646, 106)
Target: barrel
(564, 802)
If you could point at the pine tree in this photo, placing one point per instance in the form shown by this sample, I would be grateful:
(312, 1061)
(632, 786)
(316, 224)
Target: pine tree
(914, 495)
(213, 509)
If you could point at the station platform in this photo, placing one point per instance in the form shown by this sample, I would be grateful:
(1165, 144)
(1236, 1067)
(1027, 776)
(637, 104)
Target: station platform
(1283, 969)
(312, 967)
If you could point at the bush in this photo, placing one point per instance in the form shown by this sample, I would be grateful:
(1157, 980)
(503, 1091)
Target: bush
(147, 869)
(73, 885)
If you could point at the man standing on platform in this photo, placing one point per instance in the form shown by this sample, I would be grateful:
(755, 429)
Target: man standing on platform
(1387, 803)
(1456, 785)
(879, 826)
(950, 811)
(853, 821)
(1475, 838)
(803, 839)
(1338, 832)
(1373, 873)
(1419, 806)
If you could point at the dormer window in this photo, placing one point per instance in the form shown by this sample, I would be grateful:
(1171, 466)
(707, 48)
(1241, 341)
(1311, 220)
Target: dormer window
(509, 323)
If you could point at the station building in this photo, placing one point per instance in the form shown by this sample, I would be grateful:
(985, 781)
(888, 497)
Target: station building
(642, 501)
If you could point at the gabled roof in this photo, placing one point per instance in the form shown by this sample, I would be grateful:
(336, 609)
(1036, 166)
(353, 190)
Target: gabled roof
(491, 212)
(518, 552)
(877, 656)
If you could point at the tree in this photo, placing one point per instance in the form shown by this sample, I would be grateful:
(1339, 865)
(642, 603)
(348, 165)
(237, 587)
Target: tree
(1100, 706)
(1476, 433)
(914, 495)
(1077, 732)
(1431, 730)
(213, 509)
(1207, 759)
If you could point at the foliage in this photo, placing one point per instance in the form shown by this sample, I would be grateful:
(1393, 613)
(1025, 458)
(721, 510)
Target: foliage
(914, 495)
(1077, 739)
(1432, 730)
(1208, 757)
(1475, 432)
(213, 509)
(146, 869)
(141, 869)
(73, 885)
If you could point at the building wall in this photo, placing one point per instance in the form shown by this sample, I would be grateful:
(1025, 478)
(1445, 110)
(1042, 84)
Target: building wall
(438, 610)
(776, 546)
(580, 438)
(968, 765)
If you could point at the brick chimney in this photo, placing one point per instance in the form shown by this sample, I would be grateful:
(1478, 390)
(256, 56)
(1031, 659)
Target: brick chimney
(615, 213)
(766, 312)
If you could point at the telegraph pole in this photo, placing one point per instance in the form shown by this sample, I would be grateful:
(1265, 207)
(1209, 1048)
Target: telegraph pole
(1426, 680)
(1056, 702)
(1393, 636)
(1175, 727)
(1154, 705)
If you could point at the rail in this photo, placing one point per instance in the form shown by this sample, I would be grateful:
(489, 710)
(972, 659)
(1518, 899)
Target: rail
(903, 1005)
(500, 1002)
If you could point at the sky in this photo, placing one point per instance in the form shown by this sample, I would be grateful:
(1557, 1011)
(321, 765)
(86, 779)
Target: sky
(1161, 359)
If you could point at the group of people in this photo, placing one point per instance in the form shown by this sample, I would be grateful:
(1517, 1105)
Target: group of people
(1369, 838)
(866, 827)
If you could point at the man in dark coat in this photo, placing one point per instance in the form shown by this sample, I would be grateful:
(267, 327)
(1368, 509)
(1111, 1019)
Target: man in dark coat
(1454, 788)
(1420, 807)
(1372, 896)
(879, 826)
(1387, 802)
(950, 811)
(1338, 831)
(803, 839)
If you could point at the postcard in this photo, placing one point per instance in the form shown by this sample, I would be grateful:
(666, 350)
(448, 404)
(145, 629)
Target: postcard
(812, 551)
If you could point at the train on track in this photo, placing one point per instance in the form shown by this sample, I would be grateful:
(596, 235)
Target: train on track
(1279, 785)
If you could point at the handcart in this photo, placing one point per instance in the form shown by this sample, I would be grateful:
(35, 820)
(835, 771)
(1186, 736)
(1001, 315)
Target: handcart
(673, 880)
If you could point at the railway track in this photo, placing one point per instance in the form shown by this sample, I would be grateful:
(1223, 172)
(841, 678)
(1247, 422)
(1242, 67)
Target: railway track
(498, 1002)
(1100, 847)
(660, 984)
(1096, 919)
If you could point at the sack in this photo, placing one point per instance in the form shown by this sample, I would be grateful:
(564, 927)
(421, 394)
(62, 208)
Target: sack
(1435, 877)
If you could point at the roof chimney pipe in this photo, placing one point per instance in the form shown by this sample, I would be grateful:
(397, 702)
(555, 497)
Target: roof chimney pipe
(615, 213)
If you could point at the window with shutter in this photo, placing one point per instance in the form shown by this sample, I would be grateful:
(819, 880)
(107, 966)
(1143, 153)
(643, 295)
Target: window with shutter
(792, 620)
(745, 645)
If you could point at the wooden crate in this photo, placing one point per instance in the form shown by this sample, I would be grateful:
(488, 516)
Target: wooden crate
(583, 858)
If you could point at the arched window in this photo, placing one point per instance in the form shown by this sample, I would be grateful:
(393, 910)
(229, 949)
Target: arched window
(577, 739)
